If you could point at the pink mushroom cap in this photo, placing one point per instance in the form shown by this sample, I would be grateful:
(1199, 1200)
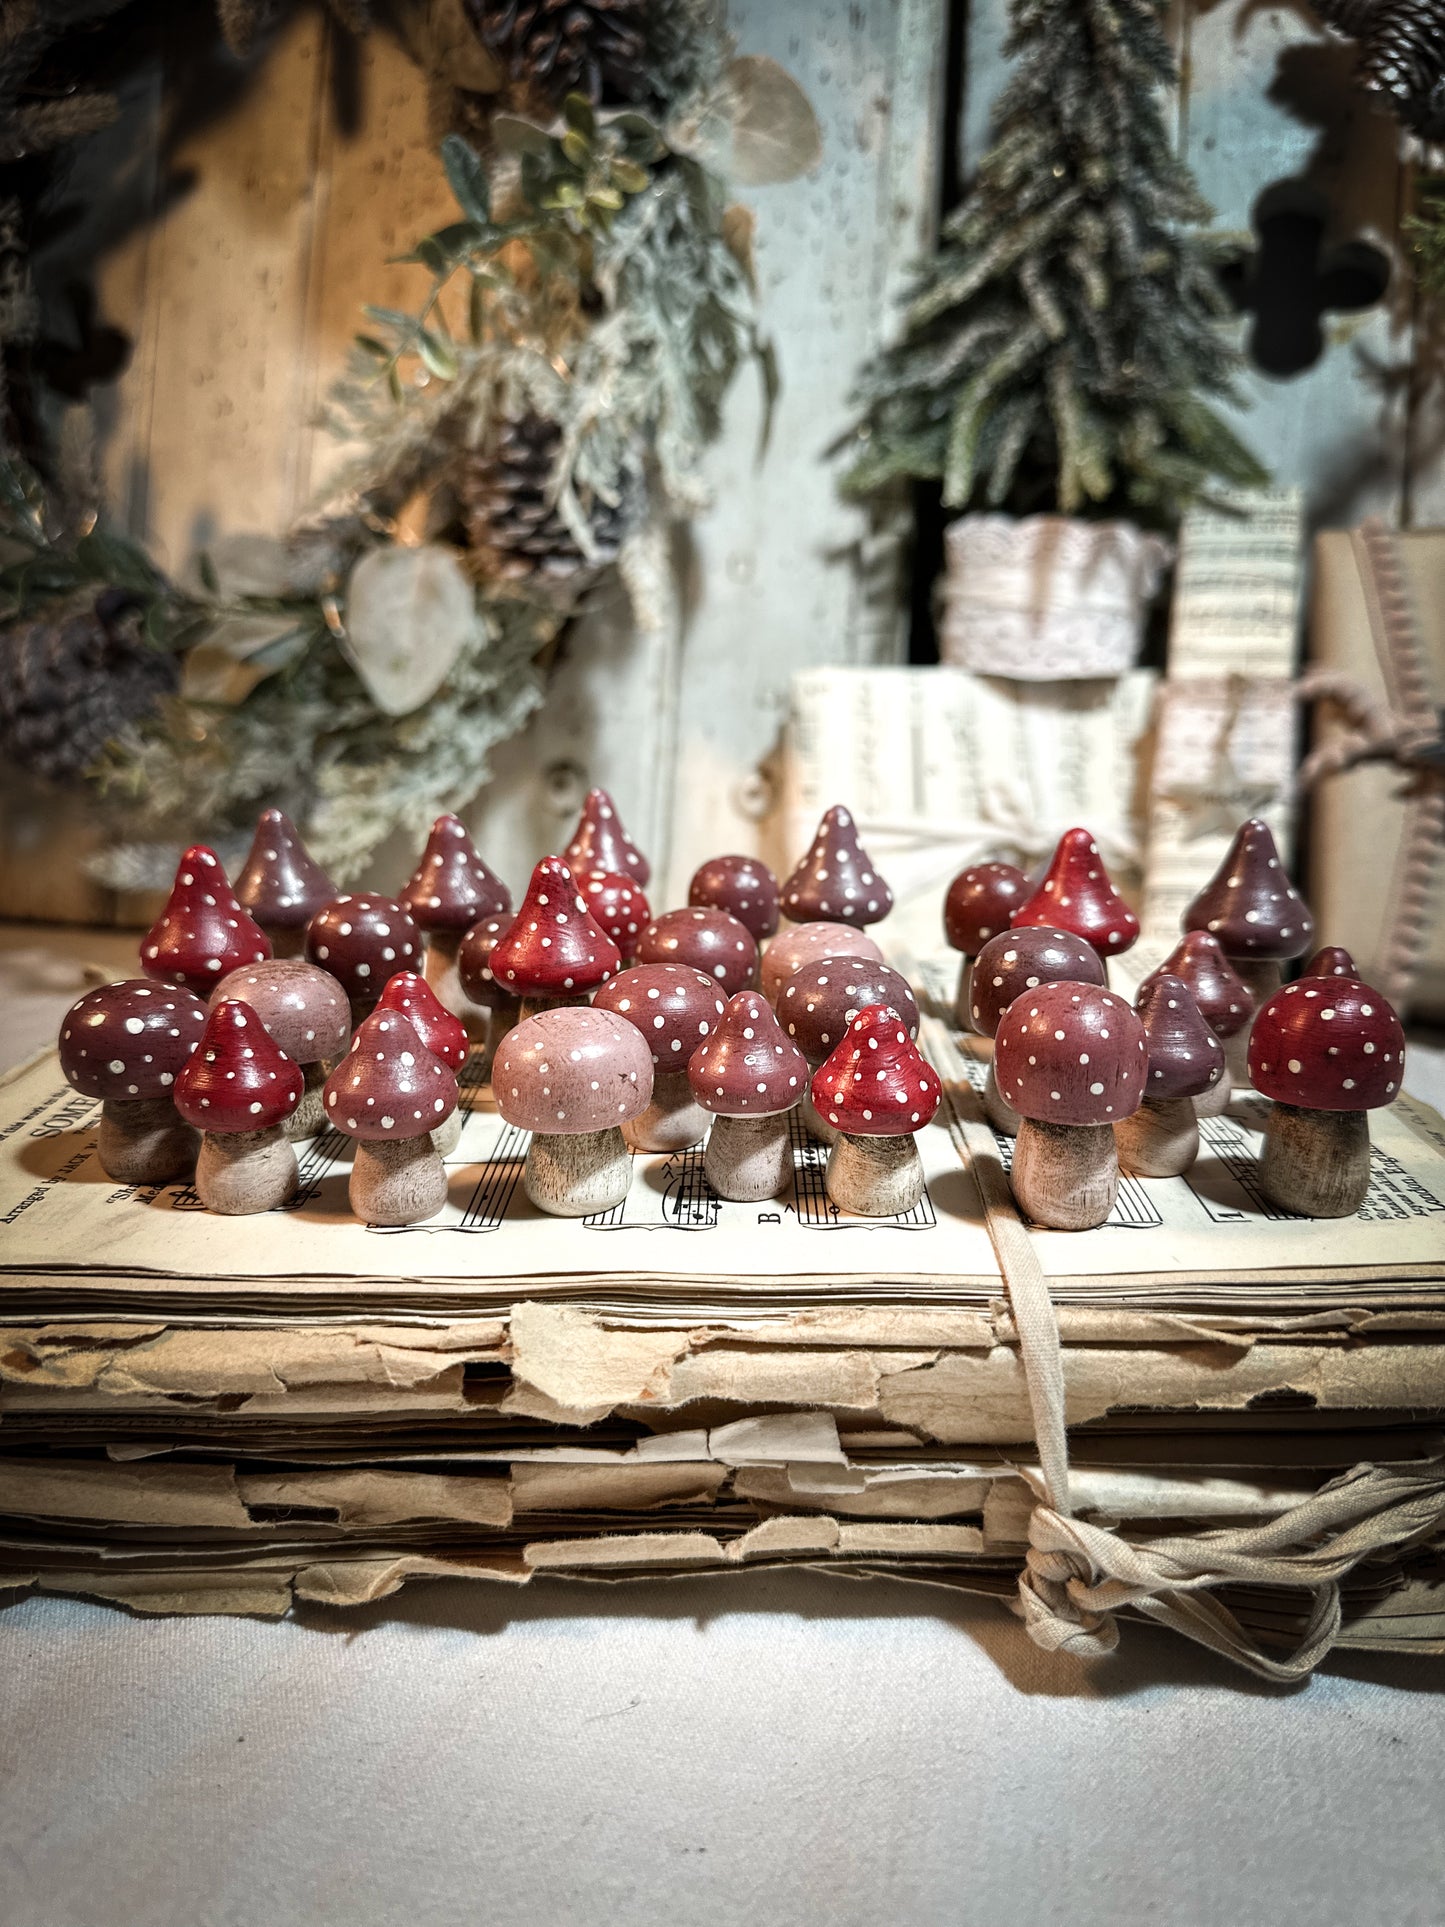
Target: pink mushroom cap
(572, 1070)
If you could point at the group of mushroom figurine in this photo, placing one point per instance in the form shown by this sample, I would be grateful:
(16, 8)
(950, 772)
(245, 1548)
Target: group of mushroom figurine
(1087, 1085)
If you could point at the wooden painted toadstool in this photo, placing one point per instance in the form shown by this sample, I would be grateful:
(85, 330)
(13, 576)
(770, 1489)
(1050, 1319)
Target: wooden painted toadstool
(281, 885)
(126, 1044)
(792, 948)
(444, 1035)
(876, 1091)
(450, 890)
(363, 941)
(574, 1077)
(1077, 895)
(238, 1088)
(836, 881)
(1161, 1138)
(600, 842)
(1223, 999)
(553, 954)
(708, 940)
(1007, 966)
(305, 1011)
(820, 1001)
(203, 933)
(979, 904)
(1333, 961)
(390, 1093)
(749, 1075)
(497, 1007)
(675, 1008)
(616, 904)
(744, 886)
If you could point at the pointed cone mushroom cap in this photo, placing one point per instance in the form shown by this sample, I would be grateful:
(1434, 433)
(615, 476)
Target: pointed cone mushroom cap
(389, 1085)
(474, 965)
(571, 1070)
(203, 932)
(600, 842)
(836, 879)
(743, 886)
(747, 1068)
(617, 906)
(451, 888)
(709, 940)
(1332, 961)
(791, 949)
(281, 885)
(553, 945)
(821, 1000)
(1185, 1056)
(1202, 967)
(363, 940)
(1327, 1044)
(129, 1040)
(674, 1006)
(445, 1036)
(980, 901)
(1076, 895)
(304, 1008)
(1020, 960)
(238, 1078)
(1071, 1053)
(1250, 904)
(876, 1084)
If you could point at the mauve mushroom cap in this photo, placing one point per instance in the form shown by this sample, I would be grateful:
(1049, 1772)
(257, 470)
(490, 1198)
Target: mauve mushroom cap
(805, 943)
(389, 1085)
(553, 945)
(600, 842)
(1327, 1044)
(362, 941)
(203, 932)
(1250, 904)
(743, 886)
(1332, 961)
(571, 1070)
(281, 883)
(445, 1036)
(1071, 1053)
(836, 879)
(1185, 1056)
(747, 1068)
(1018, 960)
(821, 1000)
(674, 1007)
(474, 965)
(451, 887)
(709, 940)
(876, 1083)
(617, 906)
(1076, 895)
(129, 1040)
(1204, 970)
(302, 1006)
(980, 901)
(238, 1078)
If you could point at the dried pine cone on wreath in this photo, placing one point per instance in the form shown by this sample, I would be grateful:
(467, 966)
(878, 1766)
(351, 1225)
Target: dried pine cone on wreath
(551, 48)
(514, 528)
(71, 680)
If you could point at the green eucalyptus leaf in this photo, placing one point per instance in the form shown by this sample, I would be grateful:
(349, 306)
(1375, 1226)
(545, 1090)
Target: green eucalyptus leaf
(576, 147)
(437, 354)
(578, 113)
(468, 179)
(631, 178)
(371, 346)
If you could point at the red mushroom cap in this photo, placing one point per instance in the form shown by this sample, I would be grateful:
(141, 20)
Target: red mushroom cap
(980, 901)
(616, 904)
(451, 888)
(282, 885)
(1185, 1056)
(304, 1008)
(673, 1006)
(474, 965)
(743, 886)
(1020, 960)
(821, 1000)
(1332, 961)
(747, 1068)
(791, 949)
(836, 879)
(1202, 967)
(389, 1085)
(600, 842)
(445, 1036)
(1250, 904)
(1327, 1044)
(709, 940)
(572, 1070)
(363, 941)
(1071, 1053)
(876, 1084)
(238, 1078)
(1076, 895)
(203, 932)
(553, 944)
(129, 1040)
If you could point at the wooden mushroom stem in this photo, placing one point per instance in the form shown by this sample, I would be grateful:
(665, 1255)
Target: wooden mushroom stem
(1065, 1175)
(144, 1140)
(448, 1134)
(749, 1158)
(1000, 1113)
(672, 1121)
(576, 1175)
(963, 996)
(442, 947)
(290, 942)
(240, 1172)
(397, 1181)
(534, 1004)
(814, 1122)
(309, 1117)
(1315, 1162)
(874, 1177)
(1261, 977)
(1215, 1101)
(1161, 1139)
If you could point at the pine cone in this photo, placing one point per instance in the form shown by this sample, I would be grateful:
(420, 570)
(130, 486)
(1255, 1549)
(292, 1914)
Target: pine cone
(551, 48)
(511, 523)
(1350, 17)
(1404, 62)
(72, 679)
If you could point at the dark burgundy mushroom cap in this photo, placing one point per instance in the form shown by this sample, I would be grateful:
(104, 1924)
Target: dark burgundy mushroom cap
(129, 1040)
(616, 904)
(743, 886)
(571, 1070)
(452, 887)
(674, 1006)
(791, 949)
(599, 842)
(1071, 1053)
(303, 1007)
(1020, 960)
(980, 901)
(821, 1000)
(1250, 904)
(1327, 1044)
(836, 879)
(875, 1084)
(203, 932)
(1185, 1056)
(1076, 895)
(237, 1078)
(709, 940)
(389, 1085)
(747, 1068)
(474, 965)
(363, 940)
(1199, 963)
(553, 945)
(445, 1036)
(1332, 961)
(282, 885)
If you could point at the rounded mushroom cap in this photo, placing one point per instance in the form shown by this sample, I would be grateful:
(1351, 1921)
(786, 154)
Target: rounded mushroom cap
(572, 1070)
(1076, 895)
(303, 1007)
(1071, 1053)
(474, 965)
(674, 1007)
(747, 1068)
(452, 887)
(617, 906)
(709, 940)
(980, 901)
(445, 1036)
(1327, 1044)
(389, 1085)
(1185, 1056)
(1332, 961)
(238, 1078)
(791, 949)
(282, 885)
(821, 1000)
(1202, 967)
(1020, 960)
(1250, 904)
(203, 932)
(130, 1039)
(876, 1084)
(363, 940)
(836, 879)
(553, 945)
(743, 886)
(600, 842)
